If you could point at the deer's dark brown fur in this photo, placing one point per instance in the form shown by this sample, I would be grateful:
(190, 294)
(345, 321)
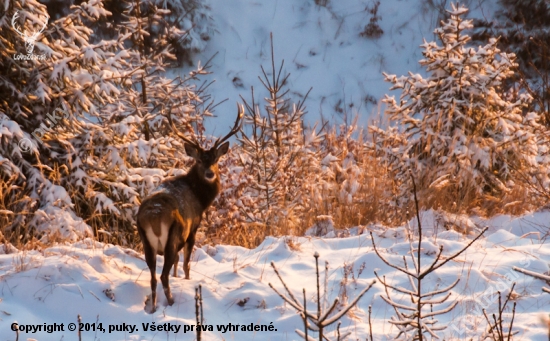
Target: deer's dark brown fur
(169, 217)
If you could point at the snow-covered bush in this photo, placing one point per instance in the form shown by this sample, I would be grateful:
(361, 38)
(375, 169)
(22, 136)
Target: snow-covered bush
(355, 183)
(457, 128)
(188, 23)
(83, 172)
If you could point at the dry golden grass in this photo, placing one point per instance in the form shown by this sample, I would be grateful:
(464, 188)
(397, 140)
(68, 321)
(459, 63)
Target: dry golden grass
(14, 213)
(374, 200)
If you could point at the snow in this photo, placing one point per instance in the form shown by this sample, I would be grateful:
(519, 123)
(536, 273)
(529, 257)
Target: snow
(322, 48)
(108, 284)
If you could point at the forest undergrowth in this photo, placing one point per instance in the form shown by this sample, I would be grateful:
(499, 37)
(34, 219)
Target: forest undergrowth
(468, 132)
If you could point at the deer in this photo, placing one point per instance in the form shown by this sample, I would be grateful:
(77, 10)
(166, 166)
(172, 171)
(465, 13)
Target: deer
(169, 217)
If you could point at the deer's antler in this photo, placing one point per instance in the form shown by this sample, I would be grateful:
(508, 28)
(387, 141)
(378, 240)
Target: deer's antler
(235, 129)
(192, 141)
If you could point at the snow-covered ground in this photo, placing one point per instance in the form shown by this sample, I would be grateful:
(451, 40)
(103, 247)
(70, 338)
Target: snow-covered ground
(58, 283)
(322, 48)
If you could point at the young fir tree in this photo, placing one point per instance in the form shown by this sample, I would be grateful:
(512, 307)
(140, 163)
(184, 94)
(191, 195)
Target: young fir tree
(280, 157)
(456, 127)
(271, 155)
(31, 89)
(110, 142)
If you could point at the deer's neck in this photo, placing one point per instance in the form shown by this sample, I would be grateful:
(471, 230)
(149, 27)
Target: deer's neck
(205, 191)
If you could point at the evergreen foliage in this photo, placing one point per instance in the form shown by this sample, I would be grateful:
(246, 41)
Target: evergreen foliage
(88, 166)
(457, 127)
(276, 165)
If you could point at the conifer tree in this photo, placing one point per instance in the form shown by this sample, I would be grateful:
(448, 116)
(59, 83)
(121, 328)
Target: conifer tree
(83, 171)
(279, 162)
(457, 127)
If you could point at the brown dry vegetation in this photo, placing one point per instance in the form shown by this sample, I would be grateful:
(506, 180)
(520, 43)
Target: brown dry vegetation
(374, 201)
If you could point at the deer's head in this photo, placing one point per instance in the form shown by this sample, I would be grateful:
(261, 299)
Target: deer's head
(206, 160)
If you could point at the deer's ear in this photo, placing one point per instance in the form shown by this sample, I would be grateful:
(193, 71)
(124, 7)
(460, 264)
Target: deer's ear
(191, 150)
(222, 150)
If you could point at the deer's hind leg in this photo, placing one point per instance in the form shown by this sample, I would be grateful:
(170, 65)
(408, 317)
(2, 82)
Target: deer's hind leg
(151, 260)
(170, 258)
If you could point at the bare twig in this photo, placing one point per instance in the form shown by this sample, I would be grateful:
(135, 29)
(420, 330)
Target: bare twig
(316, 255)
(512, 322)
(532, 274)
(321, 319)
(198, 310)
(79, 318)
(370, 323)
(495, 329)
(304, 317)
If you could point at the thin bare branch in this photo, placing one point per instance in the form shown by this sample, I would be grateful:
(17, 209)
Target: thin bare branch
(398, 289)
(386, 261)
(345, 310)
(284, 284)
(460, 252)
(532, 274)
(440, 291)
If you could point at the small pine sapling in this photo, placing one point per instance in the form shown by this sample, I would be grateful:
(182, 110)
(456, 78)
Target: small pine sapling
(318, 321)
(412, 320)
(278, 156)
